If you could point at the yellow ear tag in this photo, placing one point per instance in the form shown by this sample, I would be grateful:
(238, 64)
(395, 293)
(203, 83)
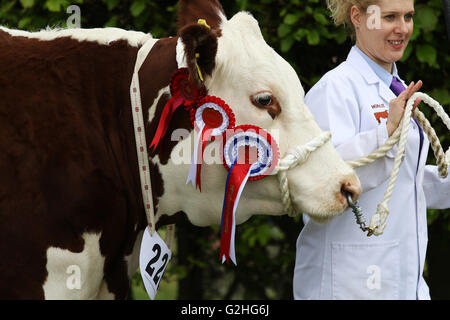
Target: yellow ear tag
(203, 22)
(198, 68)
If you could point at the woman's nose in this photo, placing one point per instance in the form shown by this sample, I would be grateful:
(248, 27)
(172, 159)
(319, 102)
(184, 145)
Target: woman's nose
(402, 27)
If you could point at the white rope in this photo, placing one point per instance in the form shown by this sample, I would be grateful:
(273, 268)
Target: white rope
(294, 157)
(378, 221)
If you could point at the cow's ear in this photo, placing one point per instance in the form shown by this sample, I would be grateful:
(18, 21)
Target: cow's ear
(189, 11)
(200, 48)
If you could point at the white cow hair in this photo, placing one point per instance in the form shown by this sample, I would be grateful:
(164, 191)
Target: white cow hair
(103, 36)
(89, 262)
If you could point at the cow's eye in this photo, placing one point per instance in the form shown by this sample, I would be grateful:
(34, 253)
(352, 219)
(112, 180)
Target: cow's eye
(263, 99)
(266, 101)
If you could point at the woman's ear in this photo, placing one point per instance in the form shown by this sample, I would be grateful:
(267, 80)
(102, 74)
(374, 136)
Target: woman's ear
(355, 17)
(200, 46)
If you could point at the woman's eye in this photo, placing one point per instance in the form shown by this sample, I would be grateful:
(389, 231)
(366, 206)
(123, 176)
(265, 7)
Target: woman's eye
(408, 17)
(390, 17)
(263, 99)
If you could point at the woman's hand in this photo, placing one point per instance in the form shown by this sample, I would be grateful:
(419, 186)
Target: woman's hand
(397, 106)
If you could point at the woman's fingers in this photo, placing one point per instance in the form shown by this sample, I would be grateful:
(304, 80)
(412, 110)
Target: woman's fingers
(410, 90)
(416, 103)
(405, 94)
(416, 87)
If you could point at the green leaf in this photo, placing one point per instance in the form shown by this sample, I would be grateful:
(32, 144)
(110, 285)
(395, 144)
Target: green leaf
(286, 44)
(291, 18)
(137, 8)
(416, 32)
(24, 22)
(313, 37)
(441, 95)
(243, 5)
(407, 53)
(112, 22)
(27, 3)
(428, 18)
(283, 30)
(54, 5)
(341, 36)
(426, 54)
(300, 34)
(111, 4)
(320, 18)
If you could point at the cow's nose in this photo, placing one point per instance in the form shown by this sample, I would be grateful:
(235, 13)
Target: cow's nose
(351, 185)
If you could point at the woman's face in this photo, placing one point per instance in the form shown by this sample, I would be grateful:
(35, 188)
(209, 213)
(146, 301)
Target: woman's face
(384, 30)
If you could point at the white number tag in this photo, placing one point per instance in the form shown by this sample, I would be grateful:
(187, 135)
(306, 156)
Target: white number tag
(153, 260)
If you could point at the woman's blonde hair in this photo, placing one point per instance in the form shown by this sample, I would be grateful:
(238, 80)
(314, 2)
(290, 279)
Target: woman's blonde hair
(340, 10)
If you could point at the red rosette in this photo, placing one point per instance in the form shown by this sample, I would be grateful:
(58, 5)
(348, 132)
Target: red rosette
(249, 153)
(184, 94)
(267, 149)
(213, 118)
(180, 83)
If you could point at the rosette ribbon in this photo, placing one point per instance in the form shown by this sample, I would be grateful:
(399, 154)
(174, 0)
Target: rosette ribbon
(211, 119)
(184, 93)
(249, 153)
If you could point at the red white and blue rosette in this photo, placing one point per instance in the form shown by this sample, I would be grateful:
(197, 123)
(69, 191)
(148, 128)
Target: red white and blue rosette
(211, 119)
(249, 153)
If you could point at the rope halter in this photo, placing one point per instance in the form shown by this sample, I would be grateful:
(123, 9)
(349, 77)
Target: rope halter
(293, 158)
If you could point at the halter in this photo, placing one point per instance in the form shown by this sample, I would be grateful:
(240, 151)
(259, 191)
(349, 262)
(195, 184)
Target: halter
(293, 158)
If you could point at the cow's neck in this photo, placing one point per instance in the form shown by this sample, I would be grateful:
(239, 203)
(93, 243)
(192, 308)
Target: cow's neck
(154, 78)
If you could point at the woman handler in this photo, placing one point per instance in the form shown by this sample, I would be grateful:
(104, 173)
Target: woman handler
(362, 102)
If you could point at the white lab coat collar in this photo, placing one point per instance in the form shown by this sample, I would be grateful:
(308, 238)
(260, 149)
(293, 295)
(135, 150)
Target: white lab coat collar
(361, 66)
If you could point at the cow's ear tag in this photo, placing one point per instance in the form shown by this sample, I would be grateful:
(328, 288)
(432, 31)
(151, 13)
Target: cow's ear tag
(153, 260)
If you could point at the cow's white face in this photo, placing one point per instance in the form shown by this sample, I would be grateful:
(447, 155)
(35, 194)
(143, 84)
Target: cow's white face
(248, 75)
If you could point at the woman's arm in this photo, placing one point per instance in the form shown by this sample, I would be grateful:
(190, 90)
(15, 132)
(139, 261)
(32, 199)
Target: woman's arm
(334, 105)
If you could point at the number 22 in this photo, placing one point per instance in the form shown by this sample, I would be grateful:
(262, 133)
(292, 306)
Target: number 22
(150, 270)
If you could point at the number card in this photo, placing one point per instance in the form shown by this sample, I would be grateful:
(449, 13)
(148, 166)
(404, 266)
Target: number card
(153, 260)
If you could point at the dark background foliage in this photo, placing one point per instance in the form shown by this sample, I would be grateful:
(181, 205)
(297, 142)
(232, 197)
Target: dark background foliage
(302, 32)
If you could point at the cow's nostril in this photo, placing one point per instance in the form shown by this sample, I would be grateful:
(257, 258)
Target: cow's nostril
(351, 188)
(345, 193)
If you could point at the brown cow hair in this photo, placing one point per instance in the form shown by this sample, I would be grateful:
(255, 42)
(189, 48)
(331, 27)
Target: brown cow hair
(193, 10)
(200, 40)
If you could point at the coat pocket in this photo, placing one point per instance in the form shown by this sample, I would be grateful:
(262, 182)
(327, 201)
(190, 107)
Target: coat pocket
(365, 271)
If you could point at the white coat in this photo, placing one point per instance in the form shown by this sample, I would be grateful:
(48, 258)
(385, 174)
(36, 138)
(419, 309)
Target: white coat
(337, 260)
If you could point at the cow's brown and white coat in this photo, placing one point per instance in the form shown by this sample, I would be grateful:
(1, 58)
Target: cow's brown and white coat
(70, 190)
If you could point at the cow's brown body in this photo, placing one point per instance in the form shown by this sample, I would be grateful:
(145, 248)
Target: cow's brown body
(68, 159)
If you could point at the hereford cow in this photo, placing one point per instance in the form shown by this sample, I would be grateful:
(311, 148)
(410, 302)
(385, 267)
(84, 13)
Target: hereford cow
(70, 190)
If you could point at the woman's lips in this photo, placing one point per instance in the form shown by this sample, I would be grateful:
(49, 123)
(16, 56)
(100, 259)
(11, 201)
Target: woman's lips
(396, 44)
